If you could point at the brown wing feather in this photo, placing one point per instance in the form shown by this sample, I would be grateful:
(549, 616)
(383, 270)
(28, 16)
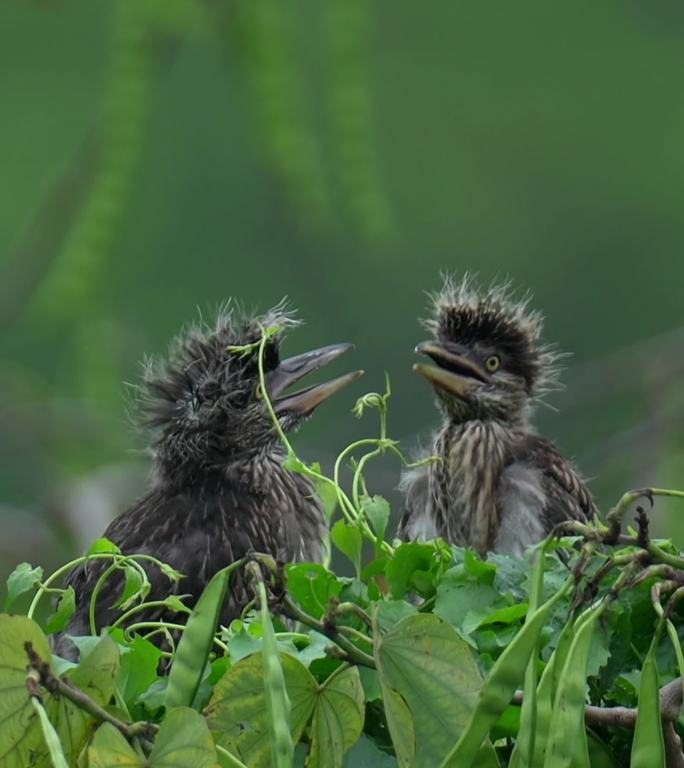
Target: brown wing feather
(568, 496)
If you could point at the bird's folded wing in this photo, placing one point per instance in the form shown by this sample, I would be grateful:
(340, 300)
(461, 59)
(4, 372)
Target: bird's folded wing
(567, 496)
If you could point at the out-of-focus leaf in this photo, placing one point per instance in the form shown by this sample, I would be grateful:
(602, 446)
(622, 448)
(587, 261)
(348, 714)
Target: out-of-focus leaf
(22, 579)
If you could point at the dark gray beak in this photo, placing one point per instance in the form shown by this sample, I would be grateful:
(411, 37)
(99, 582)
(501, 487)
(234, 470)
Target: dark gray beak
(293, 369)
(456, 373)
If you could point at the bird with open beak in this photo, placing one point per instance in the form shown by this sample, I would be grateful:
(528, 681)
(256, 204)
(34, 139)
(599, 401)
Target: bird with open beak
(496, 484)
(219, 489)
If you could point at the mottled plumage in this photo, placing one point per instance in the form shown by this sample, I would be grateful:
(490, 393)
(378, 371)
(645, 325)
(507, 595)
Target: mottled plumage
(219, 490)
(497, 485)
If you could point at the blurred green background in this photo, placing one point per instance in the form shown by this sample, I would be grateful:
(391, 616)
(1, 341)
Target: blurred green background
(158, 156)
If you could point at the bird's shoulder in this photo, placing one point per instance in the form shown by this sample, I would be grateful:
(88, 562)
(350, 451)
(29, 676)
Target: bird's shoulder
(567, 491)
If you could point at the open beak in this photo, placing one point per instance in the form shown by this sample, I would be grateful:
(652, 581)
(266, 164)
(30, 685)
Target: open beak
(456, 372)
(293, 369)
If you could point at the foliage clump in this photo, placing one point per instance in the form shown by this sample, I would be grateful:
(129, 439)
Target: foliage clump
(428, 656)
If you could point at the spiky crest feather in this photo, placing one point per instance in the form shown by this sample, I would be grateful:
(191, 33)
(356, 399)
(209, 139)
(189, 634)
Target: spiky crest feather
(463, 311)
(198, 348)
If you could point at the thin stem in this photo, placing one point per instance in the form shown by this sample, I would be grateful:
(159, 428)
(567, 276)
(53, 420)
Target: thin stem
(143, 607)
(351, 651)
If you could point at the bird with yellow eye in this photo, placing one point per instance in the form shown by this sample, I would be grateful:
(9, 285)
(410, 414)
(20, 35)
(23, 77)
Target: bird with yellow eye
(499, 485)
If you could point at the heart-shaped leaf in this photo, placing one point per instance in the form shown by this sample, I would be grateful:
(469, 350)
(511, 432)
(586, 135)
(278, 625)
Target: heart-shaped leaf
(21, 736)
(426, 669)
(338, 719)
(237, 714)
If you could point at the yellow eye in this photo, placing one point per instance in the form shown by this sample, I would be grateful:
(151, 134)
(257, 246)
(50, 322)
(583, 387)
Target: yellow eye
(492, 363)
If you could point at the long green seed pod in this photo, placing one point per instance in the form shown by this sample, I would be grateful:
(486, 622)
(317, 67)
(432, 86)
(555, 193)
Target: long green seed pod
(524, 745)
(648, 747)
(500, 686)
(277, 700)
(194, 646)
(568, 710)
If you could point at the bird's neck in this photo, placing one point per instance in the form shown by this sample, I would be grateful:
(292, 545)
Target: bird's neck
(463, 484)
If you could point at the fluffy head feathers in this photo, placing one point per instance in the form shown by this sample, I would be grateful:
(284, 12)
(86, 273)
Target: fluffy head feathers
(465, 313)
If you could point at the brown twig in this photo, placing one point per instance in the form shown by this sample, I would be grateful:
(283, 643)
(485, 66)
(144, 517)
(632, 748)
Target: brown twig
(625, 717)
(349, 651)
(40, 674)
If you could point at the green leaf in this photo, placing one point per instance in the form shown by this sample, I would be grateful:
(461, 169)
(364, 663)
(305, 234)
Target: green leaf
(476, 567)
(139, 663)
(410, 560)
(95, 675)
(21, 737)
(507, 615)
(22, 579)
(389, 612)
(463, 602)
(312, 586)
(102, 546)
(377, 512)
(293, 463)
(183, 740)
(401, 726)
(109, 749)
(427, 670)
(347, 538)
(134, 588)
(237, 714)
(65, 610)
(371, 683)
(338, 719)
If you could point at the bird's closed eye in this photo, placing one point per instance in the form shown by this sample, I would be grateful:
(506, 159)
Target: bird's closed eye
(493, 363)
